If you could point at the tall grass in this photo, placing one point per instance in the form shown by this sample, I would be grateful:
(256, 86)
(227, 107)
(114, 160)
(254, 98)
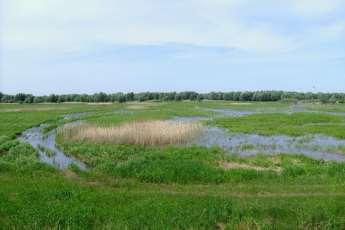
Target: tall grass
(152, 133)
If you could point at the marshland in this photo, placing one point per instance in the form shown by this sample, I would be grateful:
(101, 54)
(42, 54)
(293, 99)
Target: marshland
(189, 114)
(203, 164)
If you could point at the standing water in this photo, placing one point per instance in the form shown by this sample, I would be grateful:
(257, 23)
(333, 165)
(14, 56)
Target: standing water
(314, 146)
(47, 150)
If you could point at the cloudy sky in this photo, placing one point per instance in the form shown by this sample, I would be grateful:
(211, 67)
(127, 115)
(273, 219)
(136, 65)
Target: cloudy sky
(77, 46)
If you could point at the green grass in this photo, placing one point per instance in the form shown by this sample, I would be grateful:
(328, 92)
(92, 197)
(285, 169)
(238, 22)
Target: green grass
(133, 187)
(257, 106)
(155, 111)
(326, 107)
(199, 165)
(297, 124)
(57, 203)
(15, 118)
(310, 195)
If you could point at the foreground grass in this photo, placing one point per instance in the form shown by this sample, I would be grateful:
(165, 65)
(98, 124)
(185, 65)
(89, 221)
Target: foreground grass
(33, 195)
(296, 124)
(42, 202)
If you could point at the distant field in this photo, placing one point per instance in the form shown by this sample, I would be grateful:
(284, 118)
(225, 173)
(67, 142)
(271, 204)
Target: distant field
(129, 186)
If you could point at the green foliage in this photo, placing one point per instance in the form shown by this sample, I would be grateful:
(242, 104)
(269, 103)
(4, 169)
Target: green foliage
(171, 96)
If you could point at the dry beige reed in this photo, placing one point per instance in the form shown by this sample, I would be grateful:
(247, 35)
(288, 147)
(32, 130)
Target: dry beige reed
(155, 133)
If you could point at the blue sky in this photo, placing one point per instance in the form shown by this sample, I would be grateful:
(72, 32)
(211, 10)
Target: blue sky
(86, 46)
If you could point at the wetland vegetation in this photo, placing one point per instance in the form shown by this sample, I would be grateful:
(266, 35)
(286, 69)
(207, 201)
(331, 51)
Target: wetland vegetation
(137, 165)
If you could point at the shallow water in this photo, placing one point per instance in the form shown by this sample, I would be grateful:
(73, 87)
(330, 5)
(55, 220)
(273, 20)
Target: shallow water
(314, 146)
(59, 159)
(76, 115)
(231, 112)
(189, 119)
(252, 144)
(295, 108)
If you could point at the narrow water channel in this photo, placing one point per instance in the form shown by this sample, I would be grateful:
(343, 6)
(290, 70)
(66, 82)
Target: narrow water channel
(47, 150)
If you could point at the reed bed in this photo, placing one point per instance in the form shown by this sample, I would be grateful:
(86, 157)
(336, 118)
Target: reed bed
(153, 133)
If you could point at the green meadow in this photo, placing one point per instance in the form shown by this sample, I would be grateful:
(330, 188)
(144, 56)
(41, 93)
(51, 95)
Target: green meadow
(170, 187)
(296, 124)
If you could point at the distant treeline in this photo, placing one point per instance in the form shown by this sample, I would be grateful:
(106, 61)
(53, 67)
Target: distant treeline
(174, 96)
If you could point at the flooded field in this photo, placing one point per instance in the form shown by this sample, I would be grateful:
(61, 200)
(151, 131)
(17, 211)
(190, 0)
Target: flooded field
(47, 149)
(231, 112)
(314, 146)
(252, 144)
(73, 116)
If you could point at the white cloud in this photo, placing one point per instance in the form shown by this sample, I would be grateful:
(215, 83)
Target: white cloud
(69, 25)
